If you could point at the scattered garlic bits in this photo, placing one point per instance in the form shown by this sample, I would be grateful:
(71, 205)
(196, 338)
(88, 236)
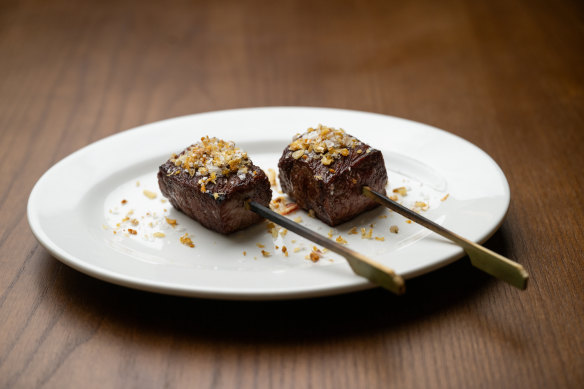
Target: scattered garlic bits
(420, 206)
(273, 230)
(324, 143)
(211, 158)
(283, 207)
(341, 240)
(401, 190)
(366, 234)
(186, 240)
(272, 177)
(148, 193)
(314, 255)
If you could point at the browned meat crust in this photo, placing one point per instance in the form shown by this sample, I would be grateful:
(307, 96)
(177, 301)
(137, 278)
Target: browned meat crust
(333, 191)
(220, 206)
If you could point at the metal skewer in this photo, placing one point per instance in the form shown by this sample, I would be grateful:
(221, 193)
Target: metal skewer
(480, 257)
(360, 264)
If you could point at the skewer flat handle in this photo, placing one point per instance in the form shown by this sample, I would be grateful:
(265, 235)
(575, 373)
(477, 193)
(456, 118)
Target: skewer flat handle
(480, 257)
(375, 272)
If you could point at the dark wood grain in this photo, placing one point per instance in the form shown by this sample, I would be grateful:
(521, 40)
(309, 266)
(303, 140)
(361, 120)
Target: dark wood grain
(505, 75)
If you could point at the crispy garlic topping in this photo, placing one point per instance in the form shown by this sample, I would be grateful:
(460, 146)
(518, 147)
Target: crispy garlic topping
(212, 158)
(324, 143)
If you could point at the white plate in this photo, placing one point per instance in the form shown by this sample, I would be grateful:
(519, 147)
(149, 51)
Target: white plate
(76, 205)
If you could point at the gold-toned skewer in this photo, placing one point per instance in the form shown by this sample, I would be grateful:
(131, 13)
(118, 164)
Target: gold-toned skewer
(375, 272)
(480, 257)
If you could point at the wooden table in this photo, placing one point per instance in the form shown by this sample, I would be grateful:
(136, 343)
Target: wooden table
(505, 75)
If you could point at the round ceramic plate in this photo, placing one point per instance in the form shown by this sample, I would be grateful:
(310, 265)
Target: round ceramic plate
(100, 211)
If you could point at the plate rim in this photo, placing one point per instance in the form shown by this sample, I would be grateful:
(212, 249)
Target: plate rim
(163, 287)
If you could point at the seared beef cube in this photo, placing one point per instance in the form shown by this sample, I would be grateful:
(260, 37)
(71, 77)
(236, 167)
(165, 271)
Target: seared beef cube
(210, 182)
(324, 170)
